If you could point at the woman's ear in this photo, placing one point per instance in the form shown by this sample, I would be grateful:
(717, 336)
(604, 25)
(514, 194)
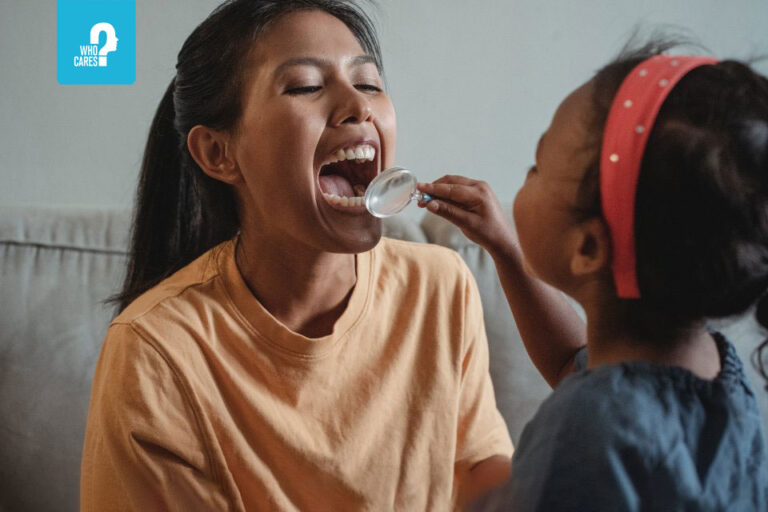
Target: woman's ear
(592, 248)
(211, 149)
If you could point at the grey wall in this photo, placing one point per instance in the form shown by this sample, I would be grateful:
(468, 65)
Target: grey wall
(474, 84)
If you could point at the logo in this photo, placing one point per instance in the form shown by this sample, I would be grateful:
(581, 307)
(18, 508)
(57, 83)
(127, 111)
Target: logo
(87, 48)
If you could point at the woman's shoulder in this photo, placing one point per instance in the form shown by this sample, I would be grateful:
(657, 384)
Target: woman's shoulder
(414, 249)
(423, 257)
(175, 292)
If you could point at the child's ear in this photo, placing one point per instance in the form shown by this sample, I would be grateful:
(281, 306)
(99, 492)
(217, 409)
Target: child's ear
(592, 247)
(212, 151)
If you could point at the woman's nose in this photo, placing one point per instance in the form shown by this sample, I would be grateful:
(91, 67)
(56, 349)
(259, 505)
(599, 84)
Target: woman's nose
(353, 107)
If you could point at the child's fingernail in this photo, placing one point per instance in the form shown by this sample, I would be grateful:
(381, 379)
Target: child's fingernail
(433, 206)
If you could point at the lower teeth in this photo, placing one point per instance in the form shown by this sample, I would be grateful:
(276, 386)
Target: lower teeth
(344, 201)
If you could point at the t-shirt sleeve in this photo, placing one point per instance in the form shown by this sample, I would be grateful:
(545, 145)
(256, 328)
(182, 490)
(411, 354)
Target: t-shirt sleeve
(482, 432)
(143, 445)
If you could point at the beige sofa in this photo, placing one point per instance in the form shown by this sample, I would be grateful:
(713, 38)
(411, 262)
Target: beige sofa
(57, 266)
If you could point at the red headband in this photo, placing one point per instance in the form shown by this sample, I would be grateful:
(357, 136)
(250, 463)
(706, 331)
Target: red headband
(629, 124)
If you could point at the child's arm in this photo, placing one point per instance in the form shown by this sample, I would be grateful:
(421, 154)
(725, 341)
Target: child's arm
(551, 330)
(483, 477)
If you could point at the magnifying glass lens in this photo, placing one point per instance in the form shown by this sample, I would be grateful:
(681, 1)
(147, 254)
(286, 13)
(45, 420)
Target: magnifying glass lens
(391, 191)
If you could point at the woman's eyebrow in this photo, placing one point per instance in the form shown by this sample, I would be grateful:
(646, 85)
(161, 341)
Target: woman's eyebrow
(318, 62)
(361, 60)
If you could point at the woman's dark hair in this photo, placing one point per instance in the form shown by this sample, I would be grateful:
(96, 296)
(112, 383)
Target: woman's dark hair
(701, 213)
(180, 212)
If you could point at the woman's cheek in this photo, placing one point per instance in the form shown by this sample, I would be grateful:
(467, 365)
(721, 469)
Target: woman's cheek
(386, 124)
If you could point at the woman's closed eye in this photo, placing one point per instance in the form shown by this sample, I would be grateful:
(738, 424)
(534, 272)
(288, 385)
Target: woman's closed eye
(310, 89)
(305, 89)
(368, 87)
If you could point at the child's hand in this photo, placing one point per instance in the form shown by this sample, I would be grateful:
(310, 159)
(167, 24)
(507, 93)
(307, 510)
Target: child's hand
(473, 207)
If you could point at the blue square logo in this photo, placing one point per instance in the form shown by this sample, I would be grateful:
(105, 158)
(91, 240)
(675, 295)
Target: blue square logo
(96, 41)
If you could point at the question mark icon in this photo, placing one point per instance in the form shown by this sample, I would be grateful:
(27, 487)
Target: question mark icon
(109, 46)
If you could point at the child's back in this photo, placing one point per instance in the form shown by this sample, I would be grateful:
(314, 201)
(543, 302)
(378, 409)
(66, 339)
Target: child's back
(643, 436)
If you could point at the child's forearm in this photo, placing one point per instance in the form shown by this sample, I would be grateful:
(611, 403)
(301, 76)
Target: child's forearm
(550, 328)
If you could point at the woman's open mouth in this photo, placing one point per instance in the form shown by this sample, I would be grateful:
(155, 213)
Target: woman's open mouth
(346, 174)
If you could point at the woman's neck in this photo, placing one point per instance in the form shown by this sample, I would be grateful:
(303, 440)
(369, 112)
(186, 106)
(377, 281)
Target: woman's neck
(609, 342)
(305, 289)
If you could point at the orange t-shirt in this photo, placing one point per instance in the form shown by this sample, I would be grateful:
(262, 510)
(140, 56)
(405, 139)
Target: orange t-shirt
(202, 400)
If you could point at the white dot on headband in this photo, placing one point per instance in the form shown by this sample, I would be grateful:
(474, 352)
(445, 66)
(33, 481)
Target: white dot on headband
(639, 128)
(614, 158)
(663, 82)
(627, 103)
(643, 72)
(675, 63)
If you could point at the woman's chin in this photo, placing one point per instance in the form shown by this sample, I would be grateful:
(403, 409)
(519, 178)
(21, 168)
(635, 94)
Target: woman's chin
(359, 239)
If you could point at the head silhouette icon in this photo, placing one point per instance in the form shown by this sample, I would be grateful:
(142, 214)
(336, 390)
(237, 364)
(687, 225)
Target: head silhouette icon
(109, 46)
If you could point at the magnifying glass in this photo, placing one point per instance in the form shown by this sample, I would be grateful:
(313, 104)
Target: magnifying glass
(391, 191)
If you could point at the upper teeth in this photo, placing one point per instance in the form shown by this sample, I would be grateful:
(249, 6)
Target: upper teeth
(361, 153)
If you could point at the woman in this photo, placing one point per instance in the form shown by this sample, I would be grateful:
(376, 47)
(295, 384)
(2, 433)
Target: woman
(273, 352)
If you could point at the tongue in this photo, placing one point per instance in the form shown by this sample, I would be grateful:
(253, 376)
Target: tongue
(335, 184)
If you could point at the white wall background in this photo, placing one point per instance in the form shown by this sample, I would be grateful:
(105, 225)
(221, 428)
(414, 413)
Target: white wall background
(474, 84)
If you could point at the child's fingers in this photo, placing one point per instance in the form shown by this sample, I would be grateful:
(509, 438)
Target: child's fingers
(461, 194)
(451, 212)
(454, 178)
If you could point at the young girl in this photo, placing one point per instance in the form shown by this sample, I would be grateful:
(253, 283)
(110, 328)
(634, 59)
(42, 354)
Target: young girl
(648, 204)
(273, 352)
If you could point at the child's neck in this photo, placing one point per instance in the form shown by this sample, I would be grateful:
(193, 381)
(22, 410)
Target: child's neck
(694, 350)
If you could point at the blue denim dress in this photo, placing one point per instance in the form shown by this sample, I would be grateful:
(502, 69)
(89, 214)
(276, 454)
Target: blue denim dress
(641, 436)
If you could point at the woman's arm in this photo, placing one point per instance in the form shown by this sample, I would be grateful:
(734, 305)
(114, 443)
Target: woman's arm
(551, 330)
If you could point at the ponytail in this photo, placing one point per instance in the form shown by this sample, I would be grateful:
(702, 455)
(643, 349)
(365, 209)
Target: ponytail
(179, 213)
